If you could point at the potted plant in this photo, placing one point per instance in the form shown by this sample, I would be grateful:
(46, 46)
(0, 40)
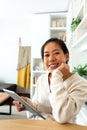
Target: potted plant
(81, 70)
(75, 23)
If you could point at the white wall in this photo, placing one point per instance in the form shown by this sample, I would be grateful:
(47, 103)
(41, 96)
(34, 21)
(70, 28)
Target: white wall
(10, 31)
(15, 22)
(40, 32)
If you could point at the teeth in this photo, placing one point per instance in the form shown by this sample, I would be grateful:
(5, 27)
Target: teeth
(52, 65)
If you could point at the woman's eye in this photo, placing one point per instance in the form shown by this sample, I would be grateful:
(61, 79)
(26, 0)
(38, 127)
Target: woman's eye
(47, 55)
(56, 53)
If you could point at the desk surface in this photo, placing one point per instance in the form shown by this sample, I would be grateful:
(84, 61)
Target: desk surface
(25, 124)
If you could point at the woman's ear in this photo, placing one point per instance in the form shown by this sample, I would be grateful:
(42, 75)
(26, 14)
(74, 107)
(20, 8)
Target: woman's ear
(67, 57)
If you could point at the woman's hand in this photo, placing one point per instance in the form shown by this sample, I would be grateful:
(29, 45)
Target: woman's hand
(64, 68)
(18, 105)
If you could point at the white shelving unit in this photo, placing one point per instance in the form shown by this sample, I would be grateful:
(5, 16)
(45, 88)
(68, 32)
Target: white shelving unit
(80, 34)
(37, 70)
(58, 25)
(78, 45)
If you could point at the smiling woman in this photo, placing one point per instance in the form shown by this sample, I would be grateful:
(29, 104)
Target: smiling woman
(59, 91)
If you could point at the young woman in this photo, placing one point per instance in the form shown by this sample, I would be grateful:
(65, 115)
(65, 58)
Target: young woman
(59, 93)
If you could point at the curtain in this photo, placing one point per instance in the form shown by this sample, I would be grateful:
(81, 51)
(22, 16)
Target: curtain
(24, 67)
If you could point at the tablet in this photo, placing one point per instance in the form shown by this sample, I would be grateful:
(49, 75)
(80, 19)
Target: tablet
(28, 106)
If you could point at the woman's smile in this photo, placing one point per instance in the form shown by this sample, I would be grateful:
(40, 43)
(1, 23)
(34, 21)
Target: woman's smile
(53, 65)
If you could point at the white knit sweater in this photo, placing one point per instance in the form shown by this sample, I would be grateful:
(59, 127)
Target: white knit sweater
(62, 100)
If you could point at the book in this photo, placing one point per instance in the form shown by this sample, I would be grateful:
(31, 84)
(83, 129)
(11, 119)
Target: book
(28, 106)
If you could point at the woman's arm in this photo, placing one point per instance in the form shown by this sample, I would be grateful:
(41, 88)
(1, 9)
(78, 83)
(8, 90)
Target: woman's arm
(67, 97)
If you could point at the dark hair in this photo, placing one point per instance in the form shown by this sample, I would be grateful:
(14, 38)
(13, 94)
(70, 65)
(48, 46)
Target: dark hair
(57, 41)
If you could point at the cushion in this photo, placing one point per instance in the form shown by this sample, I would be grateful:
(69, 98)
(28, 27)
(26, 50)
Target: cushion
(3, 97)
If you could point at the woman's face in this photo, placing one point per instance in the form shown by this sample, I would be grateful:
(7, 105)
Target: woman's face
(54, 56)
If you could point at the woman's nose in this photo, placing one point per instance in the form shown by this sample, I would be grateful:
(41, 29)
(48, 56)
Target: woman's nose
(51, 57)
